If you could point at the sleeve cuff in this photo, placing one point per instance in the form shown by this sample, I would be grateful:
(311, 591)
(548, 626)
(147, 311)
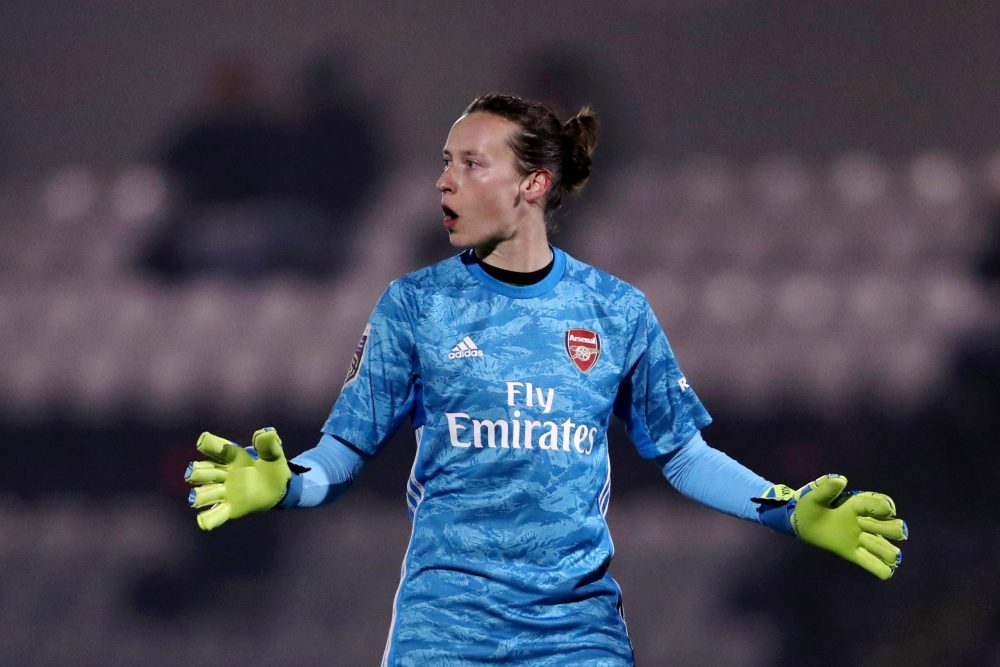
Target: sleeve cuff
(292, 494)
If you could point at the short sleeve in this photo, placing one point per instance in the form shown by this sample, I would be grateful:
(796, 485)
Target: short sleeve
(660, 409)
(381, 383)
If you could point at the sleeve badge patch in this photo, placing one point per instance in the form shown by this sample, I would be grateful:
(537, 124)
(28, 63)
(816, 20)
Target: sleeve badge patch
(359, 356)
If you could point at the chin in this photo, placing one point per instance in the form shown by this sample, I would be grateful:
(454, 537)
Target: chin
(458, 240)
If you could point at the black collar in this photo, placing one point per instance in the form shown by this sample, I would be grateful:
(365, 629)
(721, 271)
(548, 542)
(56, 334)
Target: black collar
(517, 277)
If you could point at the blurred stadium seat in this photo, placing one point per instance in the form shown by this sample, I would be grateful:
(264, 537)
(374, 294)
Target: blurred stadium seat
(857, 249)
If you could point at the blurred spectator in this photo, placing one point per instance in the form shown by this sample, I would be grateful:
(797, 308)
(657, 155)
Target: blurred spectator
(968, 419)
(569, 77)
(260, 194)
(232, 149)
(337, 151)
(989, 263)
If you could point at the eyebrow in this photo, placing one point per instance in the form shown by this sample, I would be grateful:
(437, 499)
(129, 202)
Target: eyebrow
(463, 153)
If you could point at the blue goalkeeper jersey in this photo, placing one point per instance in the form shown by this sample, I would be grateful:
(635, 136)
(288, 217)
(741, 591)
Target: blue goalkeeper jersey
(510, 390)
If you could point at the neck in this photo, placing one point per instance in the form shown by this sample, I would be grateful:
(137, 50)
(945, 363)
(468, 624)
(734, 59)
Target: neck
(525, 251)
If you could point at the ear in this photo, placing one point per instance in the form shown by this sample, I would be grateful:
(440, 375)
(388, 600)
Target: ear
(536, 185)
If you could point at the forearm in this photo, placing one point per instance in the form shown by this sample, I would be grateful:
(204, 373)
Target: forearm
(331, 467)
(709, 476)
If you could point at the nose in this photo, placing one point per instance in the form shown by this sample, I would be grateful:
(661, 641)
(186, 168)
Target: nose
(445, 183)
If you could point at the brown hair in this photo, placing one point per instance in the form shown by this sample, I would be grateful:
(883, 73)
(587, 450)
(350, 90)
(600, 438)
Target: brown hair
(543, 142)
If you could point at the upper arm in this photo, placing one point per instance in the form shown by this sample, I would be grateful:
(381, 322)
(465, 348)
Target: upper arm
(660, 409)
(382, 380)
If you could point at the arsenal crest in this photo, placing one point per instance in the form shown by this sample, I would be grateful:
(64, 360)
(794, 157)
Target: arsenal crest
(583, 347)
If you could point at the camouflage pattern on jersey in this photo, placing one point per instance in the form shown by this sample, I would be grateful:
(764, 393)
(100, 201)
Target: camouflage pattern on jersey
(510, 390)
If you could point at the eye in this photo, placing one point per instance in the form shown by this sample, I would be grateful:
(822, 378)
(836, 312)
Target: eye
(445, 163)
(471, 164)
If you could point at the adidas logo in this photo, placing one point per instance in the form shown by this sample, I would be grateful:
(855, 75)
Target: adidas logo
(466, 348)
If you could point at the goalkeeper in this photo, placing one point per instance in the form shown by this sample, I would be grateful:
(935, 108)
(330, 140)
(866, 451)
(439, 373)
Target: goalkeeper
(509, 360)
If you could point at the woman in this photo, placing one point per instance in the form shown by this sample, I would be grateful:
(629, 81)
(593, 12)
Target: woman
(509, 360)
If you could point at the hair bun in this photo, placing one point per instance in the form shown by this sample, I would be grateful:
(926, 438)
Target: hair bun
(581, 132)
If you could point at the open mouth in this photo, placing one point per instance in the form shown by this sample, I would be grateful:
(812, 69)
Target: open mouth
(449, 217)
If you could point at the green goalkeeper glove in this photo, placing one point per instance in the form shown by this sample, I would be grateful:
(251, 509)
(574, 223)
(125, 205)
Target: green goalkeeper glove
(237, 481)
(854, 525)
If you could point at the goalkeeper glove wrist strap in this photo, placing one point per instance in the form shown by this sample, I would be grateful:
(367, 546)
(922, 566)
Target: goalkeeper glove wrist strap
(775, 508)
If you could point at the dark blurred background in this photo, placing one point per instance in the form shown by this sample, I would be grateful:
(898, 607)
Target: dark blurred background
(200, 204)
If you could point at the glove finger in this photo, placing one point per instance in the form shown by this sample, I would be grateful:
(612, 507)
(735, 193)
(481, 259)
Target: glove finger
(195, 465)
(219, 449)
(214, 517)
(268, 444)
(206, 495)
(825, 489)
(879, 546)
(876, 505)
(872, 563)
(894, 529)
(205, 473)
